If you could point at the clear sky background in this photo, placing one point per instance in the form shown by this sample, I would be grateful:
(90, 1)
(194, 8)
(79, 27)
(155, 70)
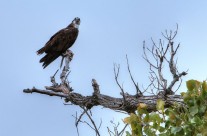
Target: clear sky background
(109, 30)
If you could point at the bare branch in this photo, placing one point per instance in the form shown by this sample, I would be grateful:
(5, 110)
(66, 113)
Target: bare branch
(76, 123)
(160, 53)
(116, 73)
(145, 56)
(79, 119)
(110, 132)
(139, 93)
(122, 131)
(100, 124)
(94, 125)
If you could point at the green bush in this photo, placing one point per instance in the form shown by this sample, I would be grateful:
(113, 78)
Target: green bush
(187, 119)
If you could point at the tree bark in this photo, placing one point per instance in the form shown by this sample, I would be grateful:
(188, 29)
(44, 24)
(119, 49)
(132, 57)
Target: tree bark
(118, 104)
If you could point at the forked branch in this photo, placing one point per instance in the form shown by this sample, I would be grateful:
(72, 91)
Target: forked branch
(163, 54)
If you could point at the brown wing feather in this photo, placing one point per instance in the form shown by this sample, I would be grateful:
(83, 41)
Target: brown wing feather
(50, 42)
(47, 59)
(58, 44)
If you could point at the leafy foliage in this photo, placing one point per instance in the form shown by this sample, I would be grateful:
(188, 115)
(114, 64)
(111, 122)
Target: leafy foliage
(189, 119)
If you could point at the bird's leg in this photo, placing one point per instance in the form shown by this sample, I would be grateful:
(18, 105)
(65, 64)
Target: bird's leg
(68, 55)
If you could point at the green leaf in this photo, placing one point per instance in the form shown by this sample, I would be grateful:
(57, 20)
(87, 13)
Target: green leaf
(127, 120)
(127, 133)
(141, 111)
(202, 109)
(192, 84)
(146, 118)
(149, 132)
(161, 129)
(175, 130)
(155, 125)
(180, 133)
(185, 96)
(204, 86)
(190, 102)
(204, 132)
(193, 110)
(160, 105)
(172, 116)
(164, 134)
(187, 129)
(205, 116)
(204, 90)
(196, 120)
(167, 124)
(136, 129)
(142, 108)
(142, 105)
(154, 117)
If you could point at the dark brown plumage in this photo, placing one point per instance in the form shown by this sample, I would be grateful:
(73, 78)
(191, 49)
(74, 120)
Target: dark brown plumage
(59, 43)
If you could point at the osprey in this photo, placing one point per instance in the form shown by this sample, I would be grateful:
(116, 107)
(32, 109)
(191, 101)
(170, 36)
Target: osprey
(59, 43)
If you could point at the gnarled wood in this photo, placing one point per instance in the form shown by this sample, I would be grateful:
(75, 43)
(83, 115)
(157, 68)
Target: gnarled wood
(110, 102)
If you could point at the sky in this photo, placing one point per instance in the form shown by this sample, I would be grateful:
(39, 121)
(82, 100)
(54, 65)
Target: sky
(108, 31)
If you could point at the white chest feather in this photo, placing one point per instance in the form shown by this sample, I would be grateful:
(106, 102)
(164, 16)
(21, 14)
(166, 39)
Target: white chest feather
(76, 26)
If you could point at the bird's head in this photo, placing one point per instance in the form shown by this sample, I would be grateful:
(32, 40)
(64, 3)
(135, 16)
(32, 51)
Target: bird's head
(76, 22)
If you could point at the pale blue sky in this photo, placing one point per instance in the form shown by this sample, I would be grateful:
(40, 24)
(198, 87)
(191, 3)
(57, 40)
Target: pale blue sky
(109, 30)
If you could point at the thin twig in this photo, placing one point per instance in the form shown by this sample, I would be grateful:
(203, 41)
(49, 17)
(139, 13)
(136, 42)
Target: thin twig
(77, 124)
(94, 125)
(139, 93)
(116, 73)
(122, 131)
(79, 119)
(110, 131)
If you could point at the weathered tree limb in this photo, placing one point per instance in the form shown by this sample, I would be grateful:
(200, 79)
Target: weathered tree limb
(110, 102)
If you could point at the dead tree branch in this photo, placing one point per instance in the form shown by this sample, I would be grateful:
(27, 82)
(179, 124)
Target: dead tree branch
(115, 132)
(78, 120)
(94, 125)
(108, 101)
(160, 54)
(139, 92)
(116, 74)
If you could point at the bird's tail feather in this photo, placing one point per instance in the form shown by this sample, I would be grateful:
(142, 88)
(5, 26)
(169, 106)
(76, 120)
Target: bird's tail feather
(40, 51)
(47, 59)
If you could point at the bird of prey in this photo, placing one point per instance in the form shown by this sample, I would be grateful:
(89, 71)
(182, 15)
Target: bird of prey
(59, 43)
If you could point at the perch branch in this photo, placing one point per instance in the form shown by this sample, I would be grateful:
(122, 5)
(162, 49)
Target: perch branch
(108, 101)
